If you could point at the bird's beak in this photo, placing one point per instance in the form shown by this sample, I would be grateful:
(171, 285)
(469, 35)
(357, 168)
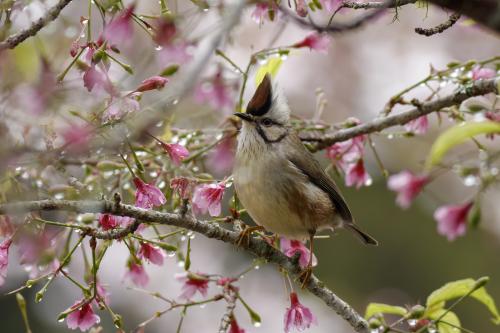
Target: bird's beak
(244, 116)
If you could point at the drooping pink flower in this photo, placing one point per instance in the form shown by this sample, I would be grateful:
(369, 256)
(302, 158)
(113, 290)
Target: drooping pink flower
(83, 317)
(137, 274)
(176, 152)
(215, 92)
(164, 32)
(151, 253)
(154, 82)
(330, 5)
(452, 220)
(261, 12)
(346, 152)
(103, 293)
(234, 327)
(418, 126)
(4, 259)
(224, 281)
(301, 8)
(193, 283)
(221, 159)
(291, 247)
(93, 77)
(208, 197)
(108, 222)
(484, 73)
(147, 196)
(182, 185)
(297, 316)
(315, 42)
(356, 175)
(120, 29)
(178, 53)
(407, 185)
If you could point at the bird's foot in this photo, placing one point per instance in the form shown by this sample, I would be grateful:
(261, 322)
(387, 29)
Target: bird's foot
(305, 275)
(244, 235)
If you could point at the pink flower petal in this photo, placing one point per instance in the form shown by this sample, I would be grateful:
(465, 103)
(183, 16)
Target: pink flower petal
(452, 220)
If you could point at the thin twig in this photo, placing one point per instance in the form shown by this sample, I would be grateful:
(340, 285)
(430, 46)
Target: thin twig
(439, 28)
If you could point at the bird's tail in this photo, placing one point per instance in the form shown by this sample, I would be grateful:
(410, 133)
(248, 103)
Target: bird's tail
(364, 237)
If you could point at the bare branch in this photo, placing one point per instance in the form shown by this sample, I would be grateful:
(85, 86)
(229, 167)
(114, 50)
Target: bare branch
(439, 28)
(478, 88)
(209, 229)
(374, 4)
(17, 38)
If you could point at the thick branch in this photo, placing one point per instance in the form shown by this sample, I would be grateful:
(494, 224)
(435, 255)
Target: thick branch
(478, 88)
(255, 246)
(17, 38)
(375, 4)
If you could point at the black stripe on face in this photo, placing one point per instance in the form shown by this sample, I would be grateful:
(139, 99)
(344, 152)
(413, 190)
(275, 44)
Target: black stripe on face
(266, 139)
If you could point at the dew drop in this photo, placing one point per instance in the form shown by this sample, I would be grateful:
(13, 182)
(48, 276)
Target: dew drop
(153, 174)
(158, 48)
(202, 306)
(175, 101)
(60, 320)
(470, 180)
(257, 267)
(412, 322)
(390, 136)
(180, 264)
(162, 184)
(368, 182)
(59, 196)
(171, 253)
(257, 324)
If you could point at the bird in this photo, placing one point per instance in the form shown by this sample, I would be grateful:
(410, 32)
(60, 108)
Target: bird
(279, 182)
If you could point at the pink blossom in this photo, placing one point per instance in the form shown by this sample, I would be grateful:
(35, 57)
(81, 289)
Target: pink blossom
(484, 73)
(357, 175)
(137, 274)
(176, 152)
(118, 108)
(108, 221)
(4, 259)
(103, 293)
(154, 82)
(120, 29)
(234, 327)
(221, 159)
(297, 316)
(193, 283)
(183, 186)
(407, 185)
(93, 77)
(301, 8)
(316, 42)
(215, 92)
(452, 220)
(261, 12)
(418, 126)
(164, 32)
(225, 281)
(147, 195)
(83, 317)
(291, 247)
(330, 5)
(175, 53)
(346, 152)
(208, 197)
(151, 253)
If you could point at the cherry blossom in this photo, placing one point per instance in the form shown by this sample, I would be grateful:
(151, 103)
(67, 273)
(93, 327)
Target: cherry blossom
(316, 42)
(177, 152)
(193, 283)
(297, 316)
(291, 247)
(154, 82)
(4, 259)
(407, 185)
(418, 126)
(137, 274)
(120, 29)
(147, 195)
(221, 159)
(356, 175)
(208, 197)
(484, 73)
(151, 253)
(83, 317)
(452, 220)
(215, 92)
(234, 327)
(182, 185)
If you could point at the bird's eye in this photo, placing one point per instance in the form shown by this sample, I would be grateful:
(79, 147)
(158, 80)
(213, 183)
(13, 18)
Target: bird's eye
(267, 122)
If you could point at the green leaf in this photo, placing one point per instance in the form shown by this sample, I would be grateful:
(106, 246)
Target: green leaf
(272, 67)
(444, 323)
(457, 135)
(436, 300)
(376, 308)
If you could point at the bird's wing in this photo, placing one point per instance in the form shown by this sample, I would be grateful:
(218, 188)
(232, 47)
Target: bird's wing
(307, 164)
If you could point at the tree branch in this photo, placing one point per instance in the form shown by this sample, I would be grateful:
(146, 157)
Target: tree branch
(478, 88)
(439, 28)
(209, 229)
(17, 38)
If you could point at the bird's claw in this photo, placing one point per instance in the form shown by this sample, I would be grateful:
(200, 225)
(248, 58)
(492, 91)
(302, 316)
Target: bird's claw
(245, 234)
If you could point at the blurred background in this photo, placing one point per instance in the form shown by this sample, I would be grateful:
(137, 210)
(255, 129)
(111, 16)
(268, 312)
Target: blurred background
(362, 70)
